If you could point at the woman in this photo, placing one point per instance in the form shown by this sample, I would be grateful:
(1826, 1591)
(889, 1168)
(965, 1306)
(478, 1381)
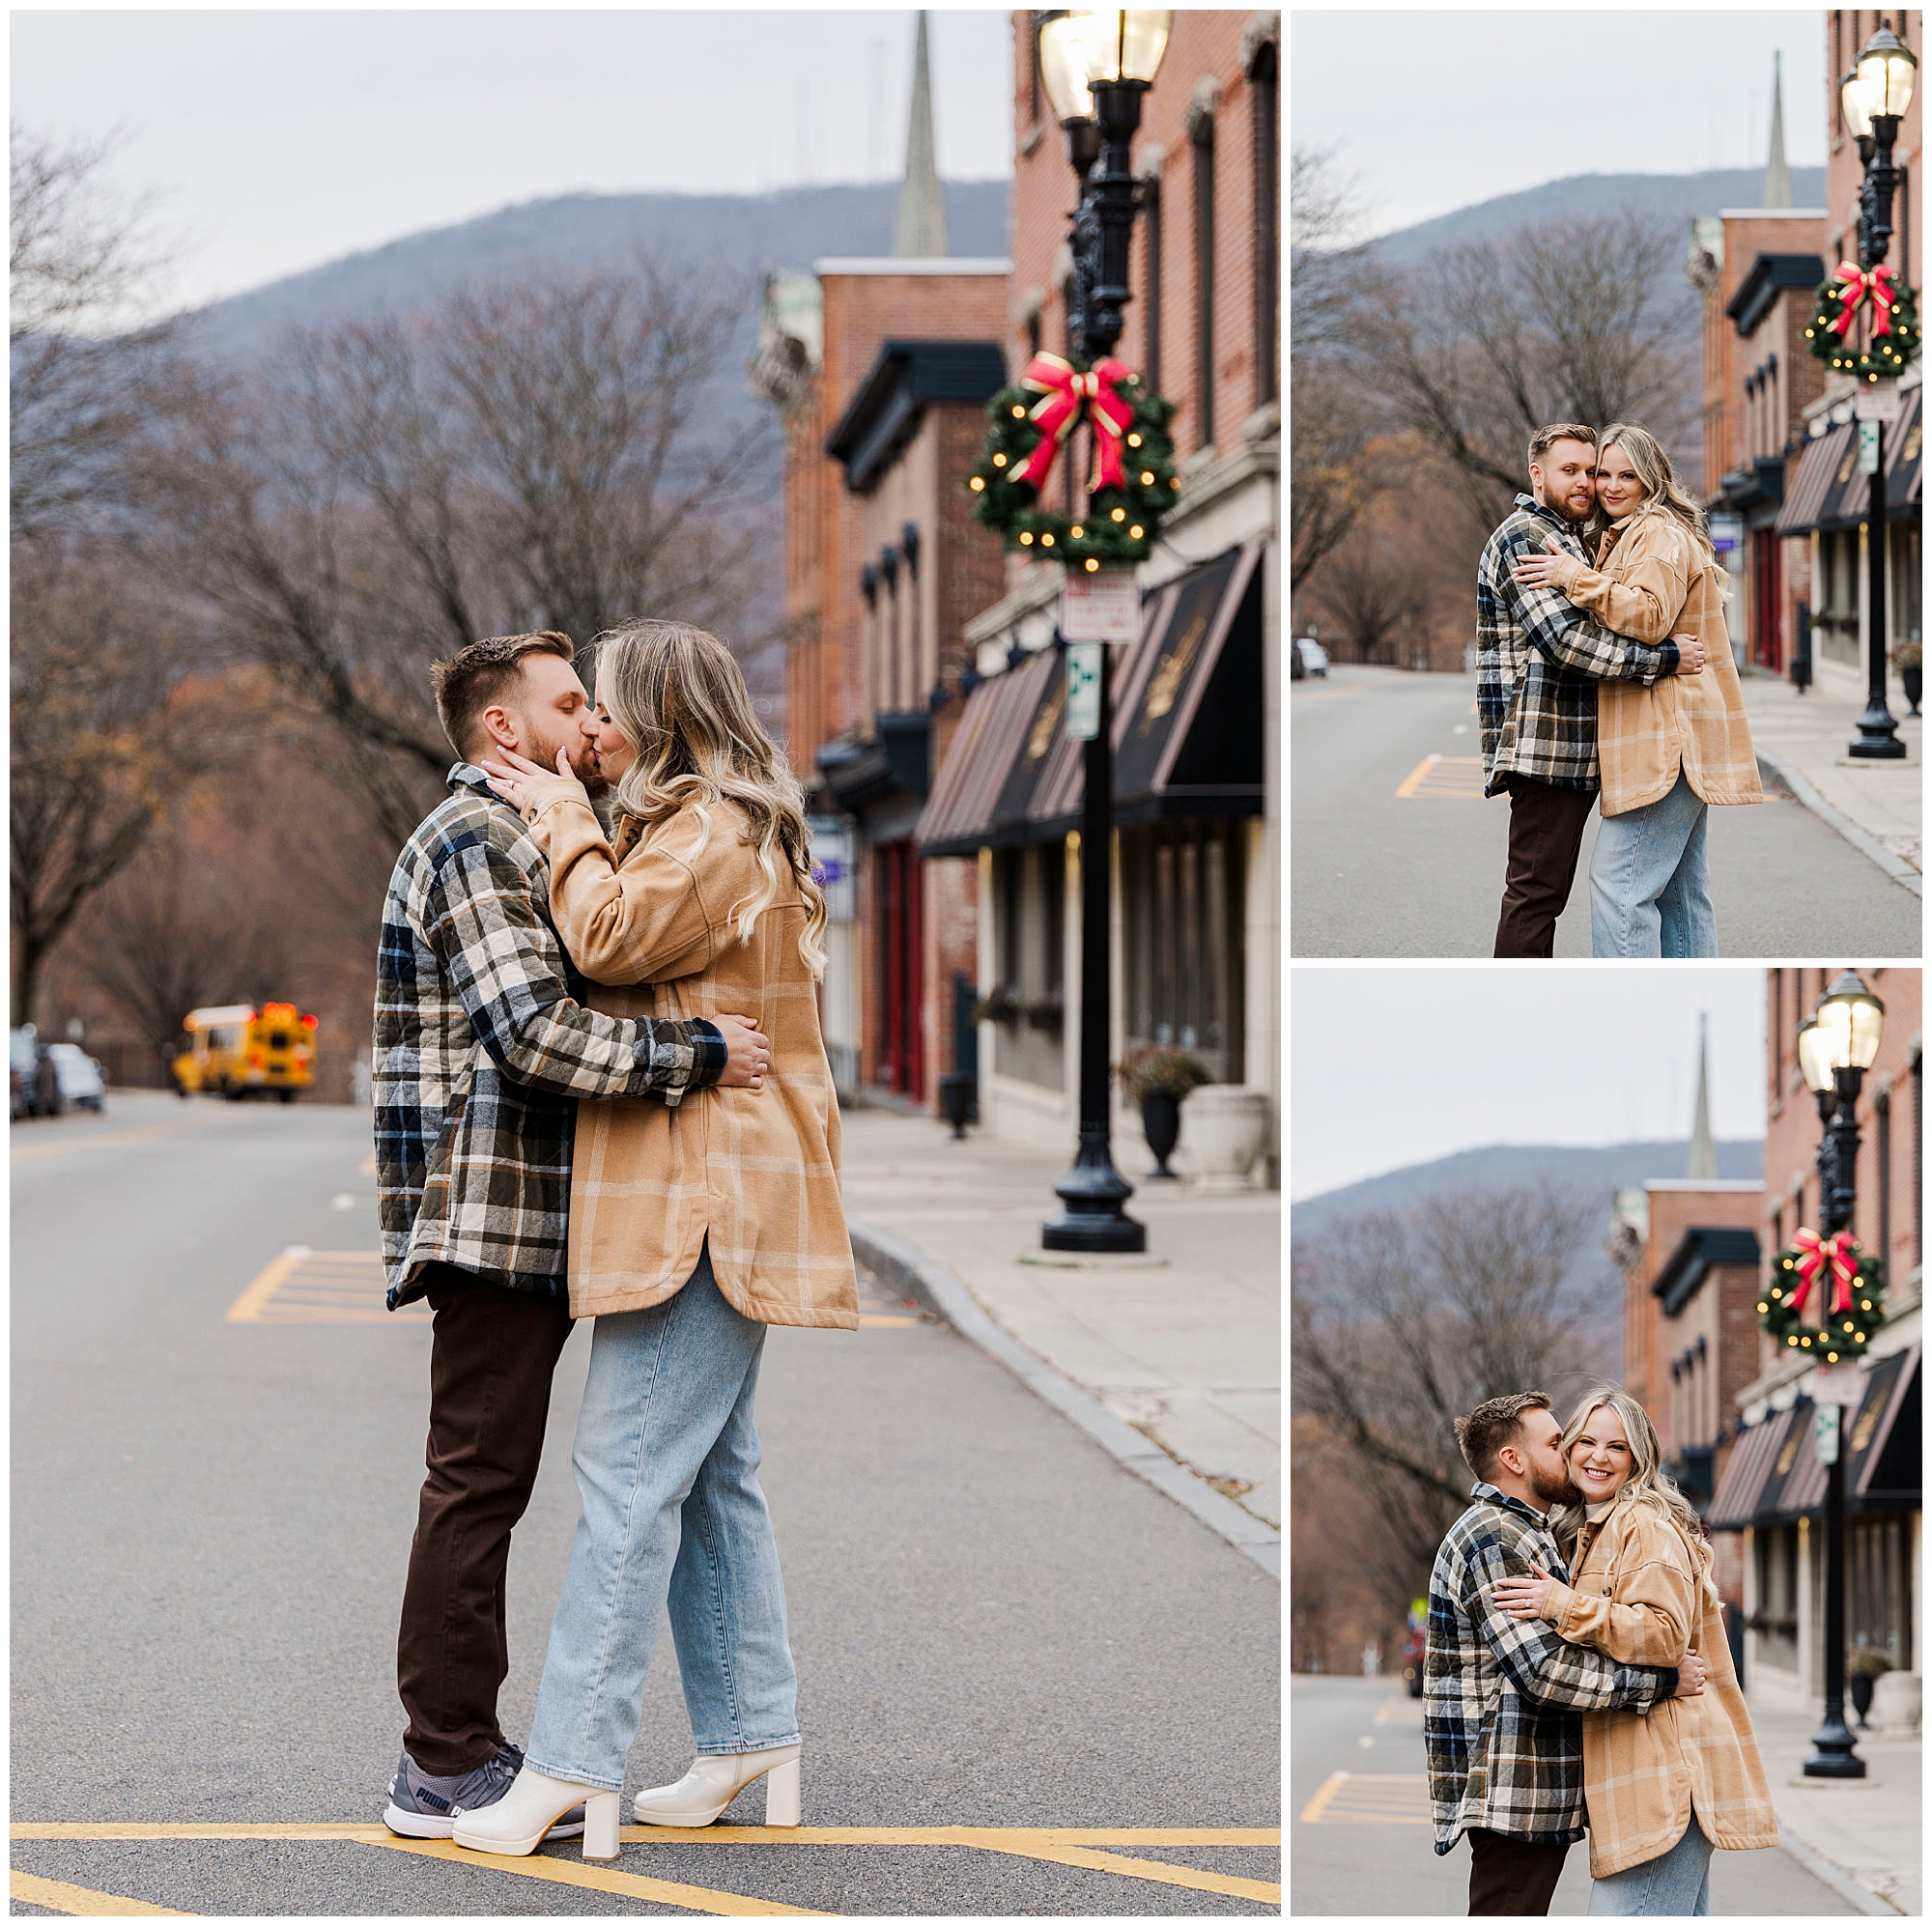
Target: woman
(1662, 1788)
(691, 1229)
(1669, 751)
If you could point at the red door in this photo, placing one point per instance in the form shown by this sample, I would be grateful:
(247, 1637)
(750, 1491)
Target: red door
(902, 952)
(1767, 614)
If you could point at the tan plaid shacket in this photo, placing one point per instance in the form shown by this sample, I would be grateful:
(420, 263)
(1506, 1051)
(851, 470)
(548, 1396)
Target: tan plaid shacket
(1637, 1596)
(755, 1171)
(1652, 581)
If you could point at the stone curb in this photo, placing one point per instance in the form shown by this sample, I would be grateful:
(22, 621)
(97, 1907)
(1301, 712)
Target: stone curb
(1863, 841)
(1858, 1897)
(910, 1269)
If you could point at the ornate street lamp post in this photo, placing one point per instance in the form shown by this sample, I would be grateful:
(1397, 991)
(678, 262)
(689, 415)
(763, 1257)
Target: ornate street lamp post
(1096, 65)
(1836, 1049)
(1875, 96)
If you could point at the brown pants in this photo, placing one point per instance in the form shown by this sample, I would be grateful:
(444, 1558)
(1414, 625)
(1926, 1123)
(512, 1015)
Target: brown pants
(492, 1356)
(1511, 1876)
(1545, 835)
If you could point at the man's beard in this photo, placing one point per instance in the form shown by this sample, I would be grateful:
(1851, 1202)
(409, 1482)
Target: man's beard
(584, 765)
(1562, 1491)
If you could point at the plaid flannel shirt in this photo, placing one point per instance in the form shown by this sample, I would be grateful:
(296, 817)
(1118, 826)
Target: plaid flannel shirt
(1501, 1695)
(1539, 658)
(483, 1045)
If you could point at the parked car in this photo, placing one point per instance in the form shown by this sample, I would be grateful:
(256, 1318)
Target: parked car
(1413, 1655)
(82, 1079)
(1310, 655)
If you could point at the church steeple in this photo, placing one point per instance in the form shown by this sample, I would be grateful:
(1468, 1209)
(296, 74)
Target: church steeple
(1701, 1165)
(1776, 176)
(921, 228)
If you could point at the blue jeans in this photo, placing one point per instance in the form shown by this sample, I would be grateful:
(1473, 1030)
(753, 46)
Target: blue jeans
(1674, 1886)
(1650, 880)
(667, 1461)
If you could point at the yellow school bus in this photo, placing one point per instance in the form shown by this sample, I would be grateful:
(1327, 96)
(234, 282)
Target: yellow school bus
(239, 1051)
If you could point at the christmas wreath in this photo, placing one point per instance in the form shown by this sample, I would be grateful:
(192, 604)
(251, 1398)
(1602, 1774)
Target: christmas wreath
(1895, 323)
(1812, 1272)
(1131, 485)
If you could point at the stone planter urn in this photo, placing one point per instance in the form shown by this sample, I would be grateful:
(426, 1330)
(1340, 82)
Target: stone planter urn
(1227, 1124)
(1897, 1701)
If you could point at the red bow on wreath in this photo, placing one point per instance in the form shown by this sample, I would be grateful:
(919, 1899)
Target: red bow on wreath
(1065, 395)
(1856, 286)
(1814, 1253)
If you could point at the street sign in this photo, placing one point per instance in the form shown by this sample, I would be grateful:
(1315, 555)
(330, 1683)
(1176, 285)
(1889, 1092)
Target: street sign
(1878, 401)
(1727, 532)
(1828, 1435)
(1838, 1384)
(1868, 448)
(832, 866)
(1105, 607)
(1083, 691)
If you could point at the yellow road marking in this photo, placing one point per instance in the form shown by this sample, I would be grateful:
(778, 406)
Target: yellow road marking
(1388, 1714)
(870, 1319)
(1370, 1798)
(57, 1896)
(1145, 1869)
(598, 1878)
(367, 1167)
(1443, 779)
(707, 1835)
(306, 1287)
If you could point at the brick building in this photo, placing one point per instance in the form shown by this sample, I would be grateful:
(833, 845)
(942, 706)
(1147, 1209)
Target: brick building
(1822, 524)
(1771, 1488)
(1196, 902)
(880, 369)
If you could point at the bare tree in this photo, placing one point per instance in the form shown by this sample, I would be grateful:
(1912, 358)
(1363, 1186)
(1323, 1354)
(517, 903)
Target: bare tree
(89, 762)
(535, 456)
(1369, 590)
(83, 269)
(1402, 1322)
(1568, 319)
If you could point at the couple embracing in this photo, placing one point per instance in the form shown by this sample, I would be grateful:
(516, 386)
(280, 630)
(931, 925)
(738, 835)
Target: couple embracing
(1603, 664)
(601, 1092)
(1577, 1669)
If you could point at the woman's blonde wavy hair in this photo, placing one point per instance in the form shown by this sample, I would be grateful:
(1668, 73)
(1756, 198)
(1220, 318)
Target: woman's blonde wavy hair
(1663, 492)
(1648, 1483)
(679, 698)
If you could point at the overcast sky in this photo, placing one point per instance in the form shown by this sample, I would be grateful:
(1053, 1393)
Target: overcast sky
(1539, 93)
(279, 140)
(1394, 1066)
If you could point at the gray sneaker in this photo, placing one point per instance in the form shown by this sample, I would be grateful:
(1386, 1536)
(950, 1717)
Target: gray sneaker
(423, 1806)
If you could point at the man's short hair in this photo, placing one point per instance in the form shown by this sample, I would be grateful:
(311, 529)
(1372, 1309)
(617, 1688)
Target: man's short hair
(482, 672)
(1494, 1424)
(1546, 439)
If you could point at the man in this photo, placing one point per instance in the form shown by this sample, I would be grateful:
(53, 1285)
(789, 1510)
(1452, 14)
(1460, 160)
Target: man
(1538, 663)
(1502, 1695)
(483, 1046)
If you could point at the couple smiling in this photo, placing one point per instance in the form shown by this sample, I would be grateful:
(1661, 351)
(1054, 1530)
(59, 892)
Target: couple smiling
(1578, 1666)
(1604, 663)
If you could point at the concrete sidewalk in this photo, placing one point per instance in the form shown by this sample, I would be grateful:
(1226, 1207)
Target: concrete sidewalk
(1868, 1831)
(1182, 1345)
(1876, 806)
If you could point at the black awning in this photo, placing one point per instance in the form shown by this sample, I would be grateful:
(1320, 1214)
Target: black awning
(1815, 479)
(1745, 1473)
(1883, 1460)
(1848, 496)
(1691, 1262)
(1790, 1469)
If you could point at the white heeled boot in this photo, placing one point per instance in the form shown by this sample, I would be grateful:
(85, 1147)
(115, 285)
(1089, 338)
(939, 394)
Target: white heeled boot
(716, 1779)
(515, 1824)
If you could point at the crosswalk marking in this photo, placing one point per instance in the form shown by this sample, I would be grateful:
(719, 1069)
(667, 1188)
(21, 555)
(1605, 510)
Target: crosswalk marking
(1443, 779)
(306, 1287)
(1370, 1798)
(80, 1901)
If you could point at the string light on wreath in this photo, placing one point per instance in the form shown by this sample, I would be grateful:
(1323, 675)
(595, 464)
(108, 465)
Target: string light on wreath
(1826, 1296)
(1894, 336)
(1131, 481)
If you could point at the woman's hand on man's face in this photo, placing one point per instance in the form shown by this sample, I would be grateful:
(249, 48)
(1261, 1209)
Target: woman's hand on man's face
(516, 778)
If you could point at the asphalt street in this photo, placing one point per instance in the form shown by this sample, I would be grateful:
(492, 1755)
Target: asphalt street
(216, 1449)
(1361, 1842)
(1378, 872)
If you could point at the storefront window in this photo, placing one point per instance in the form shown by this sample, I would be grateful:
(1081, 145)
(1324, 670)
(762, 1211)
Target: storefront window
(1180, 911)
